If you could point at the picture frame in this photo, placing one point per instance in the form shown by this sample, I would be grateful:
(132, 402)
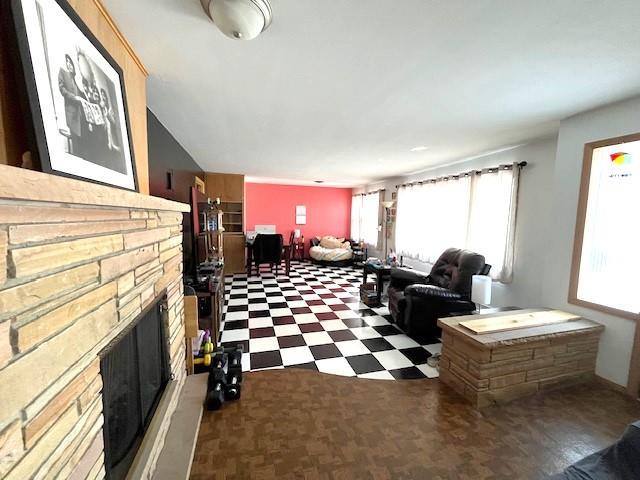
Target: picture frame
(76, 94)
(301, 215)
(199, 184)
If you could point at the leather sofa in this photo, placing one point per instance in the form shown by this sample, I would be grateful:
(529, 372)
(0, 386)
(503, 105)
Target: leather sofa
(619, 461)
(417, 300)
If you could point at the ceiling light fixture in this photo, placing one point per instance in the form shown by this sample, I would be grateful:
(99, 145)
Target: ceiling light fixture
(239, 19)
(421, 148)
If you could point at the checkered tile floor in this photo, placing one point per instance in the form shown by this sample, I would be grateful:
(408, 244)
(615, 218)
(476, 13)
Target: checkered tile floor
(314, 319)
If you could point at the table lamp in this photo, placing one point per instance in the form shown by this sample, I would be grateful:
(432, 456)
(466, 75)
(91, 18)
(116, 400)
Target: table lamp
(481, 290)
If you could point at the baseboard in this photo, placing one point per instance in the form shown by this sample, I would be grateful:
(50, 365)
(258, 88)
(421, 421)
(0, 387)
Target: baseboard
(611, 385)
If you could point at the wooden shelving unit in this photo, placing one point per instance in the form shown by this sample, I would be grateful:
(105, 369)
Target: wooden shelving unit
(230, 189)
(232, 220)
(209, 235)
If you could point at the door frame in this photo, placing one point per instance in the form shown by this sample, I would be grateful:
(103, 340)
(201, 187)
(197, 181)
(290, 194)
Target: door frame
(633, 386)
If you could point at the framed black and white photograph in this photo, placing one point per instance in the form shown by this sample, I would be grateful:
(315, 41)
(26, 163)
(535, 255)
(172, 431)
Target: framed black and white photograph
(77, 96)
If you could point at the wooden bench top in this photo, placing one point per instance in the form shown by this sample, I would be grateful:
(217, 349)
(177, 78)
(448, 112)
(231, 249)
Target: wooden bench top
(452, 326)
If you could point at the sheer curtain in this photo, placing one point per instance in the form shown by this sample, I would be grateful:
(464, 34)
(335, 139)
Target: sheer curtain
(370, 218)
(421, 212)
(410, 229)
(356, 211)
(473, 211)
(492, 219)
(365, 211)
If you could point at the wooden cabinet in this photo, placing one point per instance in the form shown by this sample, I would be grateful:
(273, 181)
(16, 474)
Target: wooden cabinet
(233, 216)
(234, 253)
(228, 186)
(230, 189)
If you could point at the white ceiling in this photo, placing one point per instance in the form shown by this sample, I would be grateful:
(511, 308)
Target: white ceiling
(341, 90)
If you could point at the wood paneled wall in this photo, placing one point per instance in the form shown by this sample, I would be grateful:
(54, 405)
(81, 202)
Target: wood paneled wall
(15, 118)
(228, 186)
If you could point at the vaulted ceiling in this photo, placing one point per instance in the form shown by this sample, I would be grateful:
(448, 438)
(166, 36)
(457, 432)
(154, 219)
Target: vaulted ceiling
(343, 90)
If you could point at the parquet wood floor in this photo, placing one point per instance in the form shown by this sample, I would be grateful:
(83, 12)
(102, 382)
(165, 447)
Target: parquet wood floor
(300, 424)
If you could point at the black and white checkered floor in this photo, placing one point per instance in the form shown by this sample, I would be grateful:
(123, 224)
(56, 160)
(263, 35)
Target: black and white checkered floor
(314, 319)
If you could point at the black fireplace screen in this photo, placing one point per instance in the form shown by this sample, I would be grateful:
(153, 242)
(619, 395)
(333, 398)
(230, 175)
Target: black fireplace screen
(135, 371)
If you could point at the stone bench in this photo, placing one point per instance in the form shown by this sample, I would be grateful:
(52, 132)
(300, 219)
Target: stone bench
(503, 366)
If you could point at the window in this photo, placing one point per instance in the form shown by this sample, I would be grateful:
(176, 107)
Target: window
(605, 267)
(475, 210)
(365, 209)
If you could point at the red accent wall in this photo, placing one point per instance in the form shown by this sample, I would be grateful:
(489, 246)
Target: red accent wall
(328, 209)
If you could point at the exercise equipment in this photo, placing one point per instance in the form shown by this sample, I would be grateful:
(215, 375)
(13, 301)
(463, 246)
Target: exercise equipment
(206, 349)
(215, 389)
(235, 361)
(233, 388)
(207, 344)
(204, 360)
(225, 376)
(216, 383)
(219, 360)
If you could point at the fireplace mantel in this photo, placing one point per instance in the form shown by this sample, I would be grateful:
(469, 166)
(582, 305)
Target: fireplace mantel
(78, 263)
(22, 184)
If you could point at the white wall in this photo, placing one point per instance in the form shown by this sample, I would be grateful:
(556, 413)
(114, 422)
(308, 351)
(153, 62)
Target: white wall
(610, 121)
(534, 210)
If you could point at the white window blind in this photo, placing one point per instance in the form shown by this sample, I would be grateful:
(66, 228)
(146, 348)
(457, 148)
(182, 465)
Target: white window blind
(365, 211)
(608, 267)
(472, 211)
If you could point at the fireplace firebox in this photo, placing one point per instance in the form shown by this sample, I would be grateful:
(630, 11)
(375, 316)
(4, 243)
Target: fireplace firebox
(135, 371)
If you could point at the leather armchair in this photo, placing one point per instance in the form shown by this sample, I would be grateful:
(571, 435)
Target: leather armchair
(417, 300)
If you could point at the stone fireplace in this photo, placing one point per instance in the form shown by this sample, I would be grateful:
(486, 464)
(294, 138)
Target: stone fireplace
(79, 263)
(135, 372)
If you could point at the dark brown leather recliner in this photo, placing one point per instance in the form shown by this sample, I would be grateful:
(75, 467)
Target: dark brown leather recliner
(417, 300)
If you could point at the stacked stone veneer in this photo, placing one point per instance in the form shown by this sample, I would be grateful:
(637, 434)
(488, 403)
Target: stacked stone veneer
(74, 272)
(485, 375)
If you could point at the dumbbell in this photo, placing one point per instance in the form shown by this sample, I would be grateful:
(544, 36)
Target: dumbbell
(207, 347)
(215, 389)
(233, 388)
(204, 360)
(235, 361)
(219, 360)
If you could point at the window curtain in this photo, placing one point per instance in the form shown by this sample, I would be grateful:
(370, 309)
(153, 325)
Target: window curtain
(424, 227)
(472, 211)
(492, 219)
(365, 211)
(371, 218)
(356, 212)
